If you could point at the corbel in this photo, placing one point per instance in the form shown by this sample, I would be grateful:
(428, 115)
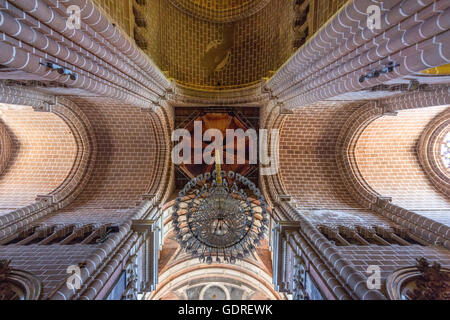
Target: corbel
(385, 109)
(284, 110)
(46, 106)
(381, 201)
(143, 226)
(47, 199)
(280, 198)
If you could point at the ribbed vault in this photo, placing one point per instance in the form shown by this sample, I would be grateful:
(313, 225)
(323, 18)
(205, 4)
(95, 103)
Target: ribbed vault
(125, 165)
(388, 160)
(222, 10)
(43, 152)
(308, 165)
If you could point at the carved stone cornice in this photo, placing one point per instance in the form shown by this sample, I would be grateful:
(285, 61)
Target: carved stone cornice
(5, 269)
(47, 105)
(287, 226)
(150, 230)
(283, 264)
(280, 198)
(420, 282)
(386, 109)
(284, 110)
(18, 284)
(142, 226)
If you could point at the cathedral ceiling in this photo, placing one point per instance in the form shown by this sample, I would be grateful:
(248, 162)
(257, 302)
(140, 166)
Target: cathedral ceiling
(223, 44)
(221, 11)
(211, 44)
(228, 44)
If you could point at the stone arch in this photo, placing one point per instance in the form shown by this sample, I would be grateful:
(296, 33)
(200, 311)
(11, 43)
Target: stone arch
(5, 148)
(311, 240)
(187, 270)
(388, 161)
(162, 184)
(272, 185)
(73, 181)
(308, 167)
(87, 150)
(430, 230)
(428, 153)
(172, 258)
(345, 152)
(43, 153)
(140, 202)
(318, 249)
(350, 133)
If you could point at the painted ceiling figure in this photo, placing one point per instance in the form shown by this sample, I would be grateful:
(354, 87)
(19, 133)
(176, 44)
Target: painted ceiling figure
(218, 53)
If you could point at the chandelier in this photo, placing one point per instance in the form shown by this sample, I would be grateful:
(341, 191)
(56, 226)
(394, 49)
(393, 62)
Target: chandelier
(220, 216)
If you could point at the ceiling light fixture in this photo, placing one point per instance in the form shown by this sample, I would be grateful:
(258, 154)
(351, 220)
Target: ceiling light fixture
(220, 215)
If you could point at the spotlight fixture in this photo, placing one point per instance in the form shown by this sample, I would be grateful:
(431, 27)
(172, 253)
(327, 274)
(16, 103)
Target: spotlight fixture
(220, 215)
(60, 69)
(388, 68)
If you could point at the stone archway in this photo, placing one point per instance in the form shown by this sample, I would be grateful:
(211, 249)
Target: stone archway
(181, 276)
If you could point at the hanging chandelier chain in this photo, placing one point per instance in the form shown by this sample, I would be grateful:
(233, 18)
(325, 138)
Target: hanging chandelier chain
(214, 217)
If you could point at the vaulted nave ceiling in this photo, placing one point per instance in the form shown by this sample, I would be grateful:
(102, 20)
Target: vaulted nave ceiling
(214, 46)
(221, 44)
(354, 171)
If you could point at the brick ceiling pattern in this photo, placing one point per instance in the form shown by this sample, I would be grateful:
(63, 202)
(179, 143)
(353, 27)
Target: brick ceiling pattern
(220, 11)
(132, 157)
(381, 150)
(255, 46)
(219, 44)
(42, 154)
(307, 156)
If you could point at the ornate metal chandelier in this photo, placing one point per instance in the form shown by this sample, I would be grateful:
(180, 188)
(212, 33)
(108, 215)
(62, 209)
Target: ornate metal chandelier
(220, 215)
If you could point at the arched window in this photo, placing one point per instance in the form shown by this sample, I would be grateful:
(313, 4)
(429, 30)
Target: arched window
(434, 151)
(445, 150)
